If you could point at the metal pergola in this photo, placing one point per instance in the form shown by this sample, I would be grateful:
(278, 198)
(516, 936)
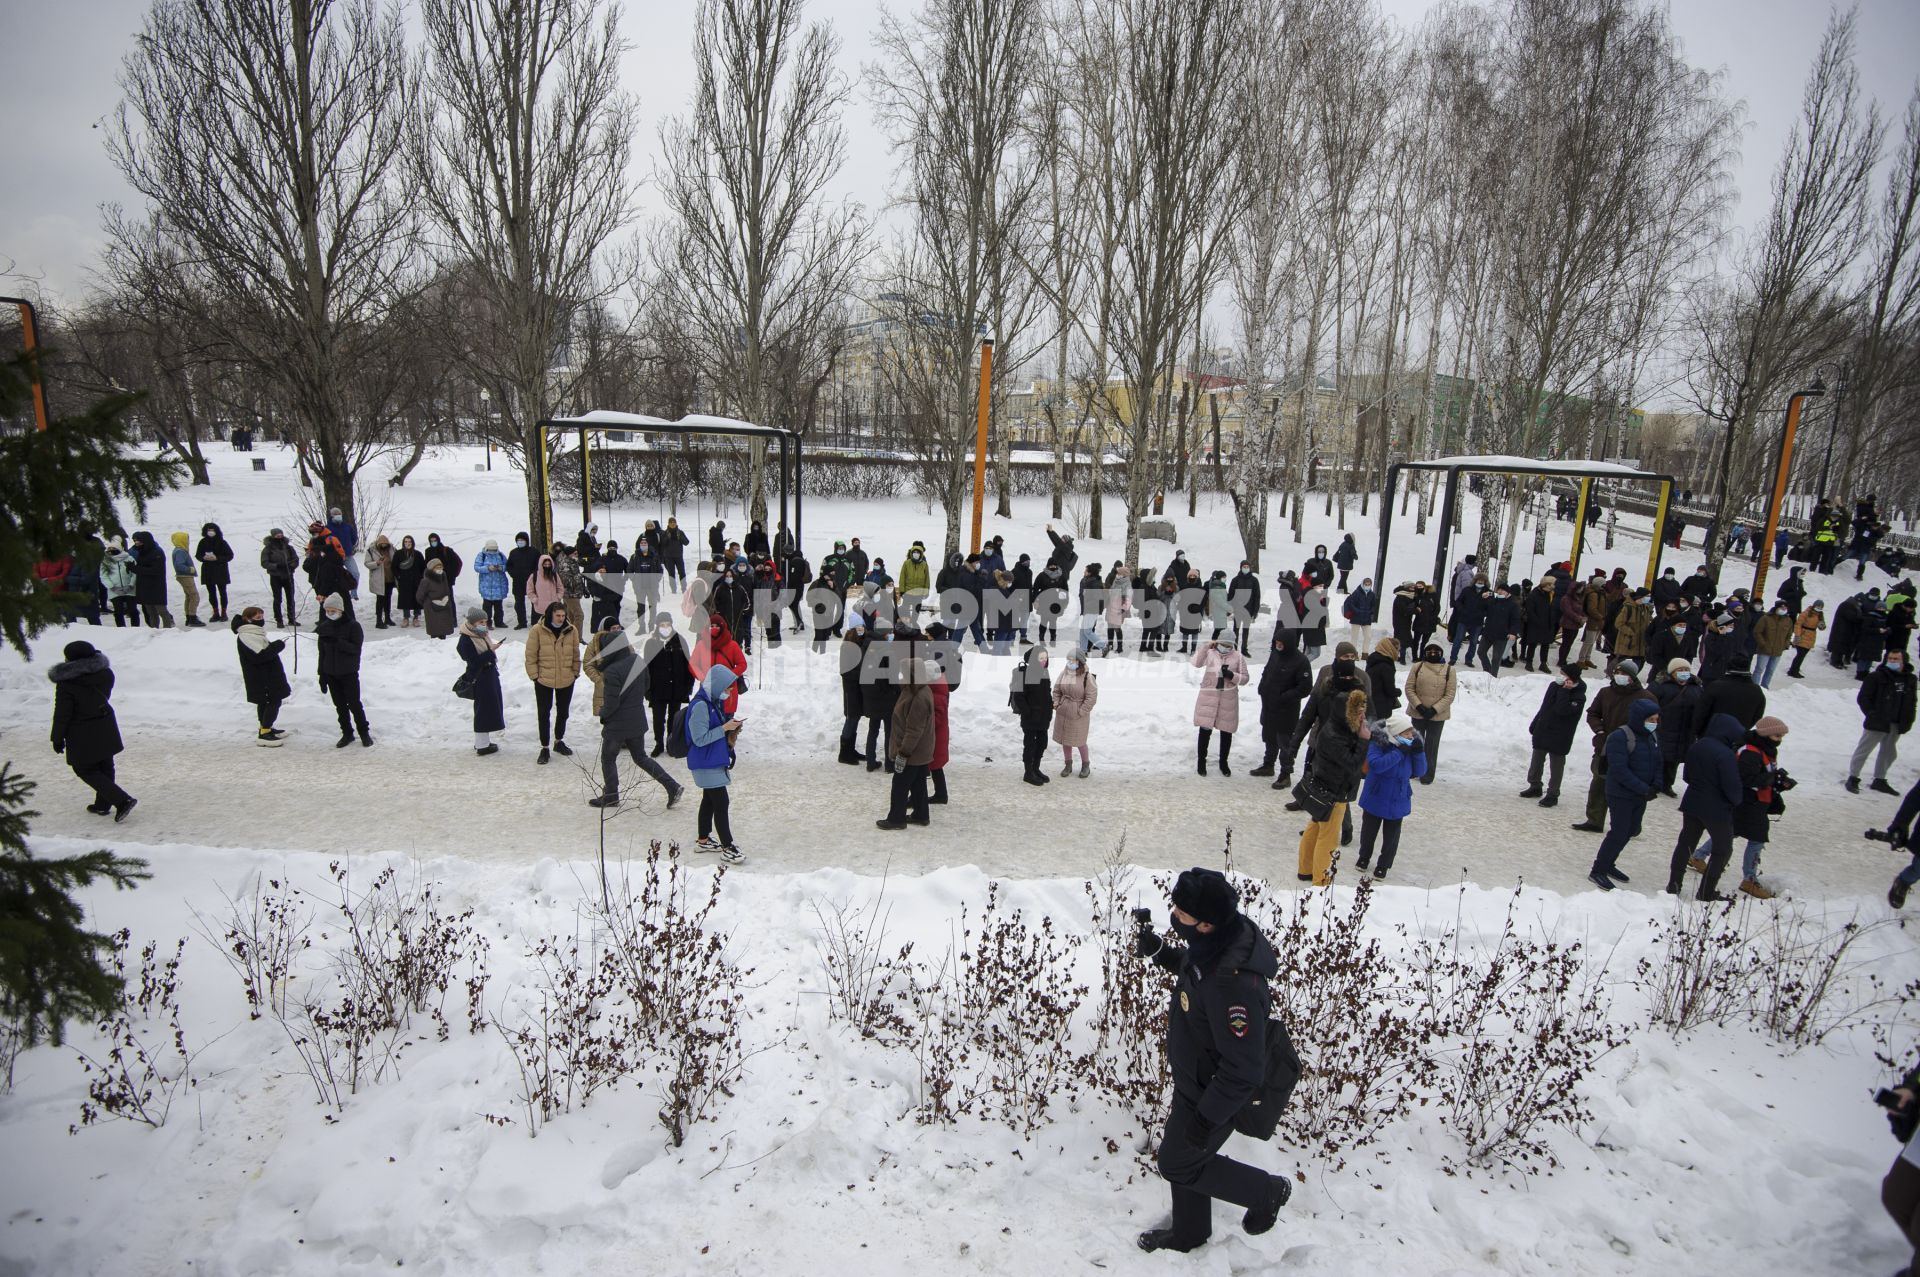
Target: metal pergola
(1585, 471)
(600, 421)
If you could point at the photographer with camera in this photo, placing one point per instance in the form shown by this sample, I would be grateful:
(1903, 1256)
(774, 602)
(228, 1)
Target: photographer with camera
(1762, 781)
(1900, 835)
(1233, 1067)
(1900, 1190)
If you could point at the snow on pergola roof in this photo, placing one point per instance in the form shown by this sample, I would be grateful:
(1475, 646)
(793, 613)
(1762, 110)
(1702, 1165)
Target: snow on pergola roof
(697, 424)
(1530, 465)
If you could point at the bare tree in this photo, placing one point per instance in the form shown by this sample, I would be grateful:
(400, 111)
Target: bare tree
(956, 88)
(753, 258)
(1787, 306)
(520, 158)
(267, 139)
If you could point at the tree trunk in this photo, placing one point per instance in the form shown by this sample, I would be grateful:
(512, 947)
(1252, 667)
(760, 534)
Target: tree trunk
(1003, 478)
(399, 478)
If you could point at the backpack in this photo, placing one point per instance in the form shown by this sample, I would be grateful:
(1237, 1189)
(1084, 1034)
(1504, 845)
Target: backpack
(677, 742)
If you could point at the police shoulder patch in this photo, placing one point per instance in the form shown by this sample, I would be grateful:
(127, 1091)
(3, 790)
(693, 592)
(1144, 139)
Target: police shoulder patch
(1183, 1000)
(1237, 1021)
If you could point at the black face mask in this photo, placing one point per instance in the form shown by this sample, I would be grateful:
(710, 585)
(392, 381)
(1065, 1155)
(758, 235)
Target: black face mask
(1188, 931)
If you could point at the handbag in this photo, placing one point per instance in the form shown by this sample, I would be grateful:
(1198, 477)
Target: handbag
(1314, 800)
(463, 686)
(1259, 1117)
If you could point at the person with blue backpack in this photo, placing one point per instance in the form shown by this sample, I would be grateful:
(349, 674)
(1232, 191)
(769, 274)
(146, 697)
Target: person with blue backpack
(706, 731)
(1632, 771)
(1396, 757)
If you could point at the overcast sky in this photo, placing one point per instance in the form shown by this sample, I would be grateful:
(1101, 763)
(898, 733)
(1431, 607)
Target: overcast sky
(60, 60)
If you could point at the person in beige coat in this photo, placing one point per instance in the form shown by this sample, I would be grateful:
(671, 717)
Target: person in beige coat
(1430, 688)
(1075, 693)
(553, 663)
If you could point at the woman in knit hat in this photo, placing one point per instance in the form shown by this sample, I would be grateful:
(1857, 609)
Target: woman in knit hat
(1396, 757)
(1762, 781)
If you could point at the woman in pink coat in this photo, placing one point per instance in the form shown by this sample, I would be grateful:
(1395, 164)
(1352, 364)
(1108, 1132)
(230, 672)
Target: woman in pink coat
(1075, 693)
(1119, 608)
(544, 587)
(1217, 708)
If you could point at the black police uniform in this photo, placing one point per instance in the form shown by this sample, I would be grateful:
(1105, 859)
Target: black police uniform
(1217, 1049)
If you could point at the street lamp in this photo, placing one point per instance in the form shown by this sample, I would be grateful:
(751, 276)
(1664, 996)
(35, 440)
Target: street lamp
(1765, 556)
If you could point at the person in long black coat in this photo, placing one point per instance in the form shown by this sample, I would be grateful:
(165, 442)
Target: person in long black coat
(879, 688)
(1679, 694)
(341, 639)
(1539, 622)
(1555, 725)
(150, 580)
(477, 647)
(261, 671)
(213, 554)
(853, 651)
(1735, 693)
(84, 726)
(522, 559)
(628, 685)
(1285, 681)
(669, 675)
(1030, 697)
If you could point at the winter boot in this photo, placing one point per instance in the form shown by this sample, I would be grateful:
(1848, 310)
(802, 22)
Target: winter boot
(99, 809)
(1882, 787)
(1588, 827)
(560, 748)
(1853, 784)
(1086, 769)
(1897, 894)
(545, 756)
(1259, 1219)
(1600, 880)
(1616, 875)
(1066, 769)
(1754, 889)
(1163, 1239)
(1224, 769)
(1531, 791)
(1551, 800)
(366, 738)
(1201, 759)
(851, 757)
(122, 810)
(604, 800)
(1033, 777)
(346, 739)
(1696, 864)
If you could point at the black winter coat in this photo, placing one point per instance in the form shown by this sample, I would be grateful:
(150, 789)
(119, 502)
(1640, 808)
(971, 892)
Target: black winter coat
(214, 571)
(1502, 618)
(1344, 554)
(1217, 1022)
(260, 668)
(879, 663)
(1679, 704)
(1756, 763)
(1887, 700)
(408, 567)
(1031, 696)
(1735, 694)
(626, 691)
(1284, 682)
(1383, 697)
(669, 672)
(521, 562)
(1540, 617)
(1557, 721)
(340, 644)
(853, 653)
(1712, 772)
(149, 572)
(325, 572)
(84, 726)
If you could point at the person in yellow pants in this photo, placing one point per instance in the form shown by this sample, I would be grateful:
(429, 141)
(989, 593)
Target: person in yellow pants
(1339, 753)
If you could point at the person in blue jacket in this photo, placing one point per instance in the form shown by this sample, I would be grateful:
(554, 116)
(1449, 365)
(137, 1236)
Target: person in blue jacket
(1713, 791)
(710, 731)
(491, 567)
(1362, 610)
(1633, 774)
(1396, 757)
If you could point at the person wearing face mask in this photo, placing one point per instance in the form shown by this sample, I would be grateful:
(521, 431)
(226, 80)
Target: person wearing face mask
(1553, 728)
(435, 598)
(378, 560)
(916, 580)
(1344, 558)
(1225, 1055)
(1762, 782)
(1734, 692)
(1631, 625)
(85, 729)
(490, 568)
(1334, 770)
(1117, 608)
(910, 746)
(553, 662)
(264, 677)
(1362, 610)
(522, 561)
(1886, 701)
(1498, 627)
(1075, 693)
(1605, 714)
(1671, 637)
(1243, 596)
(280, 560)
(479, 648)
(1030, 697)
(669, 676)
(1223, 672)
(1713, 792)
(341, 639)
(1431, 685)
(1772, 634)
(1806, 633)
(1680, 696)
(1284, 683)
(409, 568)
(444, 554)
(1632, 769)
(717, 647)
(1396, 757)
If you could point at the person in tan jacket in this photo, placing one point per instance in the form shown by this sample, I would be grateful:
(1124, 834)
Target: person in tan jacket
(1806, 632)
(911, 744)
(1772, 634)
(1075, 693)
(553, 663)
(1431, 684)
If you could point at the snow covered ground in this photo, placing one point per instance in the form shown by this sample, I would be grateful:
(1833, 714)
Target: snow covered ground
(1713, 1153)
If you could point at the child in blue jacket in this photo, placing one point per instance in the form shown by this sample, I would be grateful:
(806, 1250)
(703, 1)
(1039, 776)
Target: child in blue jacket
(1396, 757)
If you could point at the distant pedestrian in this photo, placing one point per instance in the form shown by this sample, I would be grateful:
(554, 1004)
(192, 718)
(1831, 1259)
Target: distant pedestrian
(183, 572)
(1632, 770)
(85, 728)
(1886, 701)
(626, 679)
(340, 639)
(478, 648)
(1075, 693)
(710, 750)
(261, 671)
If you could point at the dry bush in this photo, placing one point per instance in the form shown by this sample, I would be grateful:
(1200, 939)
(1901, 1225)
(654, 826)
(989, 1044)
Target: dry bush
(146, 1061)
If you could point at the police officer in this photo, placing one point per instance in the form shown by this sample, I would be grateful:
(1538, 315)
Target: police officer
(1217, 1043)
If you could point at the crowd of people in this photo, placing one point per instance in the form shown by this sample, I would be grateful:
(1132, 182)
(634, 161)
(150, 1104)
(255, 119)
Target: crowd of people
(1685, 668)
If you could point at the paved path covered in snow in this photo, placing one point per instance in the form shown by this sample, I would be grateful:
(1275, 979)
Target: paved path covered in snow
(796, 813)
